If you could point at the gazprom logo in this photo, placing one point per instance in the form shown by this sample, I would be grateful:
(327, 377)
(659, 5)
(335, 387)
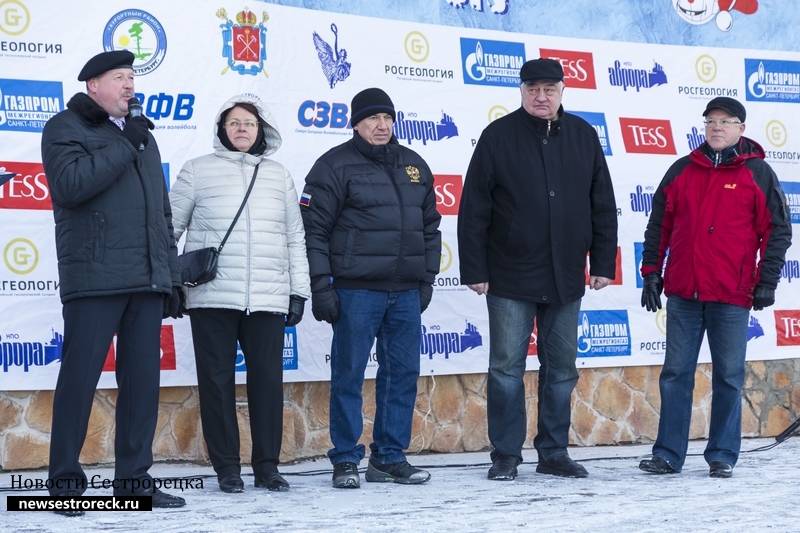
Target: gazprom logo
(487, 62)
(642, 200)
(26, 105)
(772, 81)
(289, 351)
(26, 355)
(434, 341)
(408, 128)
(603, 333)
(598, 122)
(792, 191)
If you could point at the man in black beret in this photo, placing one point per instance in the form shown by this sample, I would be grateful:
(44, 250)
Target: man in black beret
(537, 199)
(722, 215)
(374, 247)
(118, 273)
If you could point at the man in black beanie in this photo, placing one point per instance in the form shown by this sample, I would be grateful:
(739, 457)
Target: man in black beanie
(374, 248)
(118, 270)
(722, 215)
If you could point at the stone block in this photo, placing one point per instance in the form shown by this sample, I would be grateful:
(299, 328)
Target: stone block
(606, 434)
(643, 419)
(777, 420)
(299, 428)
(25, 451)
(759, 368)
(317, 407)
(583, 422)
(186, 428)
(447, 399)
(368, 394)
(531, 382)
(10, 412)
(320, 443)
(532, 416)
(39, 414)
(702, 386)
(698, 428)
(587, 381)
(750, 424)
(635, 377)
(780, 380)
(757, 401)
(476, 433)
(612, 398)
(245, 439)
(422, 429)
(241, 393)
(174, 394)
(110, 396)
(447, 438)
(652, 394)
(475, 383)
(98, 445)
(297, 392)
(287, 442)
(18, 394)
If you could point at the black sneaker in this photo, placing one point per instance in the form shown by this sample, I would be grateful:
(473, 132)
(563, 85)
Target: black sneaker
(656, 465)
(70, 512)
(720, 469)
(401, 472)
(345, 476)
(561, 464)
(504, 468)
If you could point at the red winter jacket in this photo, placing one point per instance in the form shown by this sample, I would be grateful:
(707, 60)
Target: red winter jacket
(714, 215)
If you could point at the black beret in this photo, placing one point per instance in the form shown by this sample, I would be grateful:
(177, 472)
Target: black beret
(370, 102)
(105, 61)
(540, 70)
(729, 105)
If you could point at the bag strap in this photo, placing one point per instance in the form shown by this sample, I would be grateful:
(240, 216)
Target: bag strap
(241, 208)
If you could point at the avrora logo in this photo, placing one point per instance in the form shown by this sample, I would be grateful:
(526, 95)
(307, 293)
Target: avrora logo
(26, 105)
(408, 128)
(772, 80)
(578, 67)
(792, 191)
(647, 136)
(289, 352)
(598, 122)
(695, 138)
(622, 75)
(487, 62)
(140, 33)
(23, 186)
(603, 333)
(244, 44)
(434, 341)
(334, 61)
(754, 329)
(641, 201)
(27, 354)
(790, 270)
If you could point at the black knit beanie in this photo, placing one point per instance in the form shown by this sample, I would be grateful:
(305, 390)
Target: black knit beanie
(370, 102)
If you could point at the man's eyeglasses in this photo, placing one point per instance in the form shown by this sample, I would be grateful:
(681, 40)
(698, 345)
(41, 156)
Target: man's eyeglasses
(725, 122)
(235, 124)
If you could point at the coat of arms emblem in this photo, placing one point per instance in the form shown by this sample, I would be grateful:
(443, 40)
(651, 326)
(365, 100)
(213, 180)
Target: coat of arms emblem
(244, 43)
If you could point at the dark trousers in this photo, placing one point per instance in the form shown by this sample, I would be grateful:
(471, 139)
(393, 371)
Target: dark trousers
(89, 327)
(214, 335)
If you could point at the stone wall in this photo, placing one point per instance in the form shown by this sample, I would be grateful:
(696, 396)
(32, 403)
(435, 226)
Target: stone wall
(609, 406)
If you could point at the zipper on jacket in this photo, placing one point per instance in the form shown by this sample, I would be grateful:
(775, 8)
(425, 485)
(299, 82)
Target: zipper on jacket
(548, 128)
(247, 243)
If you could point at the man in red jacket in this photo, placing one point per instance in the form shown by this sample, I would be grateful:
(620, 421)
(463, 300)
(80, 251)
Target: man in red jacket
(721, 214)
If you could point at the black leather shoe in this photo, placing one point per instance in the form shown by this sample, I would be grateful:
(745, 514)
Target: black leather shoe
(504, 468)
(561, 464)
(231, 483)
(272, 481)
(656, 465)
(70, 512)
(162, 500)
(720, 469)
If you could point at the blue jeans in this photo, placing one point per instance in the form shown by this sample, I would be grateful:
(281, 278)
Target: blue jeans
(510, 326)
(687, 321)
(394, 318)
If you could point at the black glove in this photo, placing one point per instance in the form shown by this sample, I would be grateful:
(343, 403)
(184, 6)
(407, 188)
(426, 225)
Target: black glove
(295, 314)
(425, 295)
(136, 131)
(173, 304)
(651, 291)
(762, 297)
(325, 305)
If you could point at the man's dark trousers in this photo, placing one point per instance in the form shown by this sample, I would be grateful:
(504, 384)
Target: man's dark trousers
(89, 327)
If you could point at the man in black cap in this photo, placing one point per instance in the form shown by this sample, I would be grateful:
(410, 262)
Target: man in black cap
(537, 198)
(722, 215)
(118, 271)
(374, 248)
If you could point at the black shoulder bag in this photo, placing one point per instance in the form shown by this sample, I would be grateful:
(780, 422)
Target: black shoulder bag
(200, 266)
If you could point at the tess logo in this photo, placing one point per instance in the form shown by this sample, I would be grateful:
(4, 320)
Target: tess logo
(787, 327)
(24, 186)
(168, 361)
(578, 67)
(647, 136)
(448, 189)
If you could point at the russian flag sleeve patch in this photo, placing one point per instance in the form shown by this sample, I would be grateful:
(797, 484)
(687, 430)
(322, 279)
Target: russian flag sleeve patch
(305, 199)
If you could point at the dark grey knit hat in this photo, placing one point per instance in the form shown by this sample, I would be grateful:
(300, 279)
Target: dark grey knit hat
(370, 102)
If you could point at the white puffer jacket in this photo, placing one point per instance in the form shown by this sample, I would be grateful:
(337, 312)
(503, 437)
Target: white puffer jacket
(264, 260)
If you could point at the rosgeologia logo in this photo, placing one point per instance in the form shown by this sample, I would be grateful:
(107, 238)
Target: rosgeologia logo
(138, 32)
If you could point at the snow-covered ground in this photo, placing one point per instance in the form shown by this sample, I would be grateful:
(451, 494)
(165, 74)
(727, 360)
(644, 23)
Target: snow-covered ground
(762, 495)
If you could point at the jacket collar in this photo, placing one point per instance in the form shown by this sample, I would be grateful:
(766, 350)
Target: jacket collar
(738, 153)
(543, 127)
(386, 153)
(89, 110)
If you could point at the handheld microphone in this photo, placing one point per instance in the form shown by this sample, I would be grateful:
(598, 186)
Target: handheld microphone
(135, 110)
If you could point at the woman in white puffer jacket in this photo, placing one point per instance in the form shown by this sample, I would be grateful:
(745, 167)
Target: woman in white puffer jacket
(261, 284)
